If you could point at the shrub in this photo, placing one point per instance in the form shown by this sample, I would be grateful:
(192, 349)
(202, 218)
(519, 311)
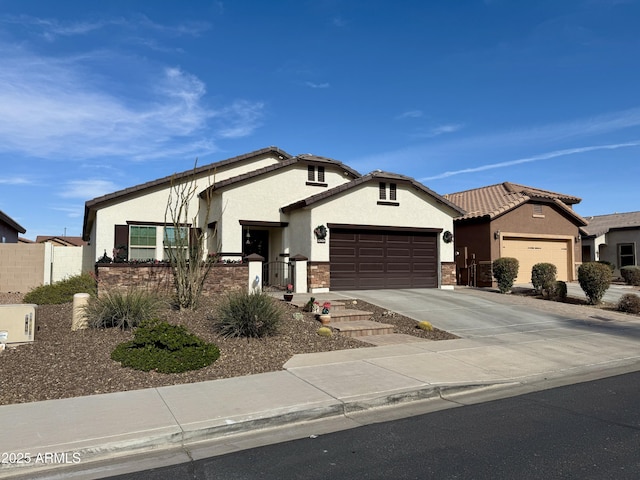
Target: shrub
(558, 291)
(165, 348)
(62, 291)
(505, 271)
(424, 325)
(611, 266)
(116, 308)
(631, 274)
(246, 314)
(629, 303)
(543, 276)
(324, 332)
(594, 279)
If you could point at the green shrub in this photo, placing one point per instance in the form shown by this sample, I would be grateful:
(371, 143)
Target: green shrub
(594, 279)
(611, 266)
(630, 303)
(246, 314)
(631, 274)
(424, 325)
(62, 291)
(165, 348)
(324, 332)
(558, 291)
(115, 308)
(505, 271)
(543, 276)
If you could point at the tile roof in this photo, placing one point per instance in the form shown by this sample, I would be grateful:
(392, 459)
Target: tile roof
(494, 200)
(11, 222)
(377, 176)
(66, 240)
(601, 224)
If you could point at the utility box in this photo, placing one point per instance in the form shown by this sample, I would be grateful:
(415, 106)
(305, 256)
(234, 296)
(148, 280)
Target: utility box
(17, 323)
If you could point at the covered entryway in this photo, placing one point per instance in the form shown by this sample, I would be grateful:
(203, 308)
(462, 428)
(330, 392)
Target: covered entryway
(530, 251)
(364, 259)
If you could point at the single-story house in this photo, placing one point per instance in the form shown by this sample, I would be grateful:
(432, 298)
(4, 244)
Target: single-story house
(380, 230)
(61, 241)
(613, 238)
(511, 220)
(9, 229)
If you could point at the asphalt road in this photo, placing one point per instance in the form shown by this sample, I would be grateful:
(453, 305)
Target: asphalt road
(583, 431)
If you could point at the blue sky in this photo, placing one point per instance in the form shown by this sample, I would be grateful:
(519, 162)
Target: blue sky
(100, 96)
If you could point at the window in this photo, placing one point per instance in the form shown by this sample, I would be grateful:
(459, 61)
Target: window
(392, 195)
(315, 175)
(142, 242)
(626, 254)
(382, 191)
(392, 191)
(175, 237)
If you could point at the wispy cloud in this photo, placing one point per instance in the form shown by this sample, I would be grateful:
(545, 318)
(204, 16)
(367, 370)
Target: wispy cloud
(535, 158)
(410, 114)
(89, 188)
(442, 129)
(15, 181)
(50, 109)
(317, 85)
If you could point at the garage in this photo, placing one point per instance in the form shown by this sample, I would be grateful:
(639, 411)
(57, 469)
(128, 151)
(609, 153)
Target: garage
(364, 259)
(530, 251)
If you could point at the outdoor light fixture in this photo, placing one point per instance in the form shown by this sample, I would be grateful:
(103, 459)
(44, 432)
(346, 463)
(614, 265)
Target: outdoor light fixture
(496, 234)
(248, 242)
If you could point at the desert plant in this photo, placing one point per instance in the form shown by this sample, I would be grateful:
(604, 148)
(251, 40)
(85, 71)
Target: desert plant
(62, 291)
(245, 314)
(324, 332)
(505, 271)
(424, 325)
(122, 309)
(543, 276)
(631, 274)
(629, 303)
(594, 279)
(558, 291)
(165, 348)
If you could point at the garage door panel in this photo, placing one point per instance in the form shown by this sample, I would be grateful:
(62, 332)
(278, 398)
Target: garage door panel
(404, 260)
(530, 251)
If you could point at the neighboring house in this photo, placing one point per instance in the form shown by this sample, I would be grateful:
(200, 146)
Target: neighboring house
(61, 241)
(9, 229)
(380, 230)
(612, 238)
(510, 220)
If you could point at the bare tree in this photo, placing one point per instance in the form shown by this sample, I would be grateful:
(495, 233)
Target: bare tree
(185, 243)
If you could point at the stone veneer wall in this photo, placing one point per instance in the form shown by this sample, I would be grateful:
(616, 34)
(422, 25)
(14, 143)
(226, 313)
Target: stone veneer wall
(448, 271)
(221, 279)
(318, 275)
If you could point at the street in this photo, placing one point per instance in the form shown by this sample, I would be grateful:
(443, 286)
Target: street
(588, 430)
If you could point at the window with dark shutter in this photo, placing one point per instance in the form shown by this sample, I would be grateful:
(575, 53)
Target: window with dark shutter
(383, 191)
(321, 174)
(311, 173)
(392, 191)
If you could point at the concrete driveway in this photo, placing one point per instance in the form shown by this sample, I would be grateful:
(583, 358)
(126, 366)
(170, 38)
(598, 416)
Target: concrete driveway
(470, 313)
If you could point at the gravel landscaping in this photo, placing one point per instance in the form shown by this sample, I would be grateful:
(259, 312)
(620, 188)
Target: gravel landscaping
(61, 363)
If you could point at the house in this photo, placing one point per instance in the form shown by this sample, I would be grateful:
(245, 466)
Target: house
(613, 238)
(61, 241)
(380, 230)
(511, 220)
(9, 229)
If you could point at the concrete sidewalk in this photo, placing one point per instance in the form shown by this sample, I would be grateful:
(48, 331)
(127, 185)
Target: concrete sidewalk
(313, 386)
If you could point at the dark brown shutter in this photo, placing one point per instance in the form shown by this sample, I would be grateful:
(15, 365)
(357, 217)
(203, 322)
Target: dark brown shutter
(121, 243)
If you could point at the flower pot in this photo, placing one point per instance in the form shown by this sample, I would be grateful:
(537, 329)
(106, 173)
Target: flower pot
(288, 297)
(324, 318)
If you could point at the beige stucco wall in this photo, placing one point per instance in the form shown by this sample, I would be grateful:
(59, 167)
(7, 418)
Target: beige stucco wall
(150, 206)
(22, 266)
(609, 251)
(70, 261)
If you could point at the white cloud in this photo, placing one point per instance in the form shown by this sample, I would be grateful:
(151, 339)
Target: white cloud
(15, 181)
(50, 108)
(442, 129)
(89, 188)
(410, 114)
(543, 156)
(317, 85)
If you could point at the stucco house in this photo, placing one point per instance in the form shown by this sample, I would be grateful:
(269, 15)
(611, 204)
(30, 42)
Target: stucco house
(511, 220)
(9, 229)
(380, 230)
(613, 238)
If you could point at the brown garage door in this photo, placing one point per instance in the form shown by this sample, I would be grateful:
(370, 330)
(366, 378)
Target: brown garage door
(365, 259)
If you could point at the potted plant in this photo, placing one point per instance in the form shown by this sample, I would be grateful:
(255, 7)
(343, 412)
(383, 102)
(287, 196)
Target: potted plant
(325, 315)
(289, 295)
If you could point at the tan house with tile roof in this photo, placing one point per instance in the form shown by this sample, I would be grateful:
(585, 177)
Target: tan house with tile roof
(613, 238)
(512, 220)
(380, 230)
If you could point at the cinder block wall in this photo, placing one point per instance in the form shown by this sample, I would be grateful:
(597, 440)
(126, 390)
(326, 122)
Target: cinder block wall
(21, 266)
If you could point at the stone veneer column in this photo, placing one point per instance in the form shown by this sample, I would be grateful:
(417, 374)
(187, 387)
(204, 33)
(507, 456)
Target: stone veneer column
(448, 275)
(319, 276)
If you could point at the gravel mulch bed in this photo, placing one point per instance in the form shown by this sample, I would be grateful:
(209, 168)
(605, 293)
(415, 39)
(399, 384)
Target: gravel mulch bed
(62, 364)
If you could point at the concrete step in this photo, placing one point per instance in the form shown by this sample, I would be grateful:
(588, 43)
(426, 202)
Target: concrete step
(349, 315)
(361, 328)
